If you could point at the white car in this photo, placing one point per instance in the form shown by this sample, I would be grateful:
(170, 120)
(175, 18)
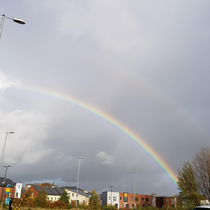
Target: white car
(202, 207)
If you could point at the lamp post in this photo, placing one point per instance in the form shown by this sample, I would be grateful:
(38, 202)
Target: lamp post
(5, 181)
(9, 132)
(17, 20)
(111, 194)
(134, 187)
(78, 179)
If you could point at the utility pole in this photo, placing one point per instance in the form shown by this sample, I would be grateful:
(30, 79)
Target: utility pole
(4, 182)
(134, 187)
(111, 194)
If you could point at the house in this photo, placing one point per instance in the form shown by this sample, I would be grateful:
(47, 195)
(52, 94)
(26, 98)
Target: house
(53, 194)
(82, 197)
(8, 189)
(125, 200)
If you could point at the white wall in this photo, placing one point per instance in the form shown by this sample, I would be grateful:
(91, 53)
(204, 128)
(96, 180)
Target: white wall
(80, 198)
(112, 198)
(18, 189)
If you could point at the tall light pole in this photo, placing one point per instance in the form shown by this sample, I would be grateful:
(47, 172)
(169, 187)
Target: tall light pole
(111, 194)
(134, 187)
(6, 171)
(4, 181)
(78, 179)
(17, 20)
(9, 132)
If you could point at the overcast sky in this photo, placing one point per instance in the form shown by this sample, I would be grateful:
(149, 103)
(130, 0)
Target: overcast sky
(143, 62)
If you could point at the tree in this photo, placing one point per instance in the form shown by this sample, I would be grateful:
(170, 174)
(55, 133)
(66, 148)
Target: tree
(41, 199)
(64, 197)
(93, 202)
(187, 185)
(201, 166)
(45, 185)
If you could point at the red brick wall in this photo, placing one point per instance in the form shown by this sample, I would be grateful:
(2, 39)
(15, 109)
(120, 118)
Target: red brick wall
(143, 200)
(34, 192)
(3, 189)
(164, 201)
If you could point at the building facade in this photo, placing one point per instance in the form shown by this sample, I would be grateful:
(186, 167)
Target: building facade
(9, 189)
(53, 194)
(125, 200)
(110, 198)
(165, 201)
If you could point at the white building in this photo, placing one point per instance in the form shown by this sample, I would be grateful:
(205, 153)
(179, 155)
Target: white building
(18, 189)
(110, 198)
(82, 197)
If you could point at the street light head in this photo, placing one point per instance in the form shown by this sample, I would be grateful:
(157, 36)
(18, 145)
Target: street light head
(18, 20)
(11, 132)
(135, 172)
(82, 158)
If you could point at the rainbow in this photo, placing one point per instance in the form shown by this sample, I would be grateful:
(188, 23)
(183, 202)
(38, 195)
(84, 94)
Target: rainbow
(112, 121)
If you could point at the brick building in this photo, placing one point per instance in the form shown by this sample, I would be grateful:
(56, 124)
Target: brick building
(125, 200)
(9, 189)
(53, 194)
(165, 201)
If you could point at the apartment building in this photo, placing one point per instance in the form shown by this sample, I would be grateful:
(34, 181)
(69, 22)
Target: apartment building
(125, 200)
(165, 201)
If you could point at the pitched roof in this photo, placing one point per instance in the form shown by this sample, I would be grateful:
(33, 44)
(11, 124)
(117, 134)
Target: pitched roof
(49, 190)
(4, 182)
(80, 191)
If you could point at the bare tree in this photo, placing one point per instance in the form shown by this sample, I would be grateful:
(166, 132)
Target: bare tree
(201, 167)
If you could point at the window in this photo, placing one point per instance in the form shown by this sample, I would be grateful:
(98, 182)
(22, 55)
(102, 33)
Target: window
(51, 198)
(136, 199)
(125, 199)
(68, 194)
(114, 198)
(166, 200)
(121, 205)
(83, 201)
(73, 194)
(109, 197)
(131, 198)
(147, 199)
(142, 199)
(127, 206)
(172, 200)
(132, 205)
(120, 198)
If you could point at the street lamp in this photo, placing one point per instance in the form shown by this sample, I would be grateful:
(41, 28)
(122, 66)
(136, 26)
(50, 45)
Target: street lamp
(6, 171)
(111, 194)
(17, 20)
(78, 179)
(134, 187)
(9, 132)
(4, 182)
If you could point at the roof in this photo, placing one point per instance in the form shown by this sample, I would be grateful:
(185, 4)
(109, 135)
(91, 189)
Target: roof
(49, 190)
(4, 182)
(80, 191)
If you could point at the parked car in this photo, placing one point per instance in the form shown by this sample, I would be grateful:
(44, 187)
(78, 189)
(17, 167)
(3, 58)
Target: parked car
(202, 207)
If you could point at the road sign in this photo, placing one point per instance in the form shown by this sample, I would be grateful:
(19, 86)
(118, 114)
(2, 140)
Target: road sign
(7, 201)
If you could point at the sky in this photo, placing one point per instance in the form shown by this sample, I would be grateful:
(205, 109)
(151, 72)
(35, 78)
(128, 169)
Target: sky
(142, 63)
